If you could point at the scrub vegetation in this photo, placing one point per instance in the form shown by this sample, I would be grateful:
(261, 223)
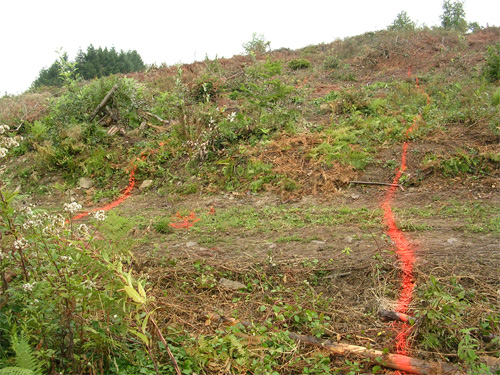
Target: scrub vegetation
(248, 219)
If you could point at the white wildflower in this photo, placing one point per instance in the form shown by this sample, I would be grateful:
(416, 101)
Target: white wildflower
(231, 117)
(20, 244)
(4, 128)
(83, 230)
(3, 255)
(58, 221)
(28, 287)
(11, 142)
(27, 210)
(28, 224)
(3, 152)
(51, 230)
(99, 215)
(72, 207)
(66, 258)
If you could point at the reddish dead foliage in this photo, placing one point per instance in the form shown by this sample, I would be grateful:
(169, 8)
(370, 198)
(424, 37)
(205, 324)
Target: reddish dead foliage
(289, 156)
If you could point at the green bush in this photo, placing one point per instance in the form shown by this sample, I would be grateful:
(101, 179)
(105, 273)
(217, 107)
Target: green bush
(205, 90)
(297, 64)
(491, 70)
(331, 62)
(257, 46)
(71, 297)
(495, 99)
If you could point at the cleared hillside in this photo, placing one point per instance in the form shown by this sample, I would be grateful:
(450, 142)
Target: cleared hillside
(270, 170)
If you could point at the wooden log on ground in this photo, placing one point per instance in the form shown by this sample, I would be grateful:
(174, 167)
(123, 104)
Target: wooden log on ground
(103, 103)
(166, 122)
(393, 361)
(376, 183)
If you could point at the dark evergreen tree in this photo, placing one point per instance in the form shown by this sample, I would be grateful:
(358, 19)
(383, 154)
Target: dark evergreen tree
(50, 76)
(100, 62)
(94, 63)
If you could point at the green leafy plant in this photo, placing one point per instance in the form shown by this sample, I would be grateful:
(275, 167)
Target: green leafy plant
(69, 293)
(298, 64)
(332, 62)
(491, 69)
(257, 45)
(26, 363)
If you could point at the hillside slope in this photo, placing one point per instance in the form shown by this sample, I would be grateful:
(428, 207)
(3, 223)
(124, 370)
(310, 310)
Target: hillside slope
(305, 176)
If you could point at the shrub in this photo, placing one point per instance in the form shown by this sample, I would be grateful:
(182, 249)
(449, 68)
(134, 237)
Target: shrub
(69, 293)
(257, 46)
(331, 62)
(299, 64)
(205, 90)
(491, 70)
(495, 99)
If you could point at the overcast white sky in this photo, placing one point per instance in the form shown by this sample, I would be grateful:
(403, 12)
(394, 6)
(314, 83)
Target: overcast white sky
(184, 30)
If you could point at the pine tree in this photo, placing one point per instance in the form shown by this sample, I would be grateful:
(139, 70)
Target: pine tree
(94, 63)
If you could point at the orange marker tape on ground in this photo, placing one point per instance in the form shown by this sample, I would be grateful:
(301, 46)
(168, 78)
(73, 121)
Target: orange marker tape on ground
(126, 193)
(404, 250)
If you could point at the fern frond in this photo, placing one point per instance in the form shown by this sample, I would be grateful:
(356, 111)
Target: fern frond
(16, 371)
(24, 354)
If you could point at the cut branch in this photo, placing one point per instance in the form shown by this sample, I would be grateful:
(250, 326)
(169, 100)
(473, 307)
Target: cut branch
(103, 103)
(166, 122)
(393, 361)
(376, 183)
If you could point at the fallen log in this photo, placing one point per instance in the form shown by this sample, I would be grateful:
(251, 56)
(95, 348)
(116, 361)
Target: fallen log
(103, 103)
(376, 183)
(393, 361)
(388, 316)
(166, 122)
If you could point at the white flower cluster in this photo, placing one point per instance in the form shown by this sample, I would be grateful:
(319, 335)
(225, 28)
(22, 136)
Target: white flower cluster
(58, 221)
(29, 287)
(99, 215)
(27, 209)
(205, 140)
(65, 258)
(37, 221)
(72, 207)
(20, 244)
(231, 117)
(3, 255)
(83, 230)
(50, 225)
(7, 142)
